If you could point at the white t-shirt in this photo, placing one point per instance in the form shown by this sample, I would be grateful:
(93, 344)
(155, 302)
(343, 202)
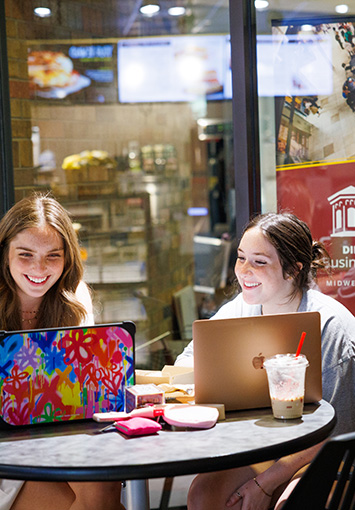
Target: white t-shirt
(338, 349)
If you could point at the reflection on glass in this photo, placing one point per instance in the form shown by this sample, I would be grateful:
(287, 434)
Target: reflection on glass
(314, 103)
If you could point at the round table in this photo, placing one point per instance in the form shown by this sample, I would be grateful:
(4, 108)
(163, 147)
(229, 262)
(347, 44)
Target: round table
(79, 451)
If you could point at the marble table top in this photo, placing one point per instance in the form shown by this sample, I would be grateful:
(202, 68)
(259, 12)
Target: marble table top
(80, 451)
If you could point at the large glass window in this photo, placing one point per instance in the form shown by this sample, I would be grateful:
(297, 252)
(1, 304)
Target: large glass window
(306, 67)
(126, 119)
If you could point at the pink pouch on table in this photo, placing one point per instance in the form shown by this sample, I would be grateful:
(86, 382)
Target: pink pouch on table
(138, 426)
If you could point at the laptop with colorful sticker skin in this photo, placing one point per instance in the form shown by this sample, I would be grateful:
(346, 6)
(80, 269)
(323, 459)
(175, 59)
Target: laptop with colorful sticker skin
(56, 375)
(229, 354)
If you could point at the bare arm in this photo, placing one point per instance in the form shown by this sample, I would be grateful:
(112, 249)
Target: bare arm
(275, 476)
(284, 469)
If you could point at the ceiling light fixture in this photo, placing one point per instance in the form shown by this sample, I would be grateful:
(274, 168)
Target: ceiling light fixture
(176, 11)
(341, 8)
(261, 4)
(149, 7)
(42, 12)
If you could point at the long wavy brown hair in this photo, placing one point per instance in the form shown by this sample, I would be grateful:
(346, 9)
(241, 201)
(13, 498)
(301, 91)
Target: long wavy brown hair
(59, 306)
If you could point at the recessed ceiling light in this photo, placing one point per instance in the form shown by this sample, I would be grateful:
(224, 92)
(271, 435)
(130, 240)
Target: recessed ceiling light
(261, 4)
(177, 11)
(341, 8)
(42, 12)
(149, 8)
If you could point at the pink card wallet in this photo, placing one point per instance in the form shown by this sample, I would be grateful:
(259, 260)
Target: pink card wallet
(137, 426)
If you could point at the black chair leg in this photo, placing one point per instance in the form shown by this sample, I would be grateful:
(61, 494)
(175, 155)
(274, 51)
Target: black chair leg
(165, 497)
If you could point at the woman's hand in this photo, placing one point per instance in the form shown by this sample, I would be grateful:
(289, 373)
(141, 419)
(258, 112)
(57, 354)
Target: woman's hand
(256, 494)
(249, 497)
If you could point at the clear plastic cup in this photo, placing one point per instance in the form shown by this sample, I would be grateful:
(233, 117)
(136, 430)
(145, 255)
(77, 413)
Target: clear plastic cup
(286, 377)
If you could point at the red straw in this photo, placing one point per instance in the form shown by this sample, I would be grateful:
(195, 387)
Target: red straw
(300, 344)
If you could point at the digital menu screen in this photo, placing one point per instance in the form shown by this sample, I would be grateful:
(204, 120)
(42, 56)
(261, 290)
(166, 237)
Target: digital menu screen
(176, 68)
(180, 68)
(84, 73)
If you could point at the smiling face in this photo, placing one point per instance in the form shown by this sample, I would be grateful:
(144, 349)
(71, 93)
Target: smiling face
(36, 262)
(259, 273)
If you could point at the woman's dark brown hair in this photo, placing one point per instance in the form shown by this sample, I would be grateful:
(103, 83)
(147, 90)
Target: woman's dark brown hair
(299, 255)
(59, 306)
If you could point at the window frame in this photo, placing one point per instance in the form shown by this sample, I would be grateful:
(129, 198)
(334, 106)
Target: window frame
(245, 112)
(7, 187)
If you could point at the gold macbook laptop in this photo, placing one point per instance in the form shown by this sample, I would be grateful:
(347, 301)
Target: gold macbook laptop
(228, 356)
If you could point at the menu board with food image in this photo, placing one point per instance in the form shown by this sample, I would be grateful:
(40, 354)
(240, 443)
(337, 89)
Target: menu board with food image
(77, 72)
(176, 68)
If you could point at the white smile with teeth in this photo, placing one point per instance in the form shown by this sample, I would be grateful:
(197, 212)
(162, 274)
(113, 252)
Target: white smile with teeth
(251, 284)
(36, 280)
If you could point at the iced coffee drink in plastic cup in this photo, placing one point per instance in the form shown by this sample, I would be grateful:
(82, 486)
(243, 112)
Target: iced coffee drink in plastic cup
(286, 377)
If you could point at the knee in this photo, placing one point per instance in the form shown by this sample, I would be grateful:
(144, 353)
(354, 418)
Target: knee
(193, 494)
(199, 495)
(98, 495)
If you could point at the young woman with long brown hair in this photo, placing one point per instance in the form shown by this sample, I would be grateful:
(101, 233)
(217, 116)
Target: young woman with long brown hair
(41, 286)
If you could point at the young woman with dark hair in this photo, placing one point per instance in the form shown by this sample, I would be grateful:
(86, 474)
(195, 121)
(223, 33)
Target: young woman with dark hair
(276, 270)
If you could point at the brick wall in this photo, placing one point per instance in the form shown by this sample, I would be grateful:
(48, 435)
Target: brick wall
(17, 15)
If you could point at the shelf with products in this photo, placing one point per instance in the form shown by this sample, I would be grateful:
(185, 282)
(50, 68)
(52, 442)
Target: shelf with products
(136, 250)
(114, 237)
(117, 232)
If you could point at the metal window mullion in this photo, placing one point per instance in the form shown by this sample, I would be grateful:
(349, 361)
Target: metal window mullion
(6, 166)
(245, 111)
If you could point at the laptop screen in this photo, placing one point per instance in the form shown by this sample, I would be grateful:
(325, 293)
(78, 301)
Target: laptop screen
(65, 374)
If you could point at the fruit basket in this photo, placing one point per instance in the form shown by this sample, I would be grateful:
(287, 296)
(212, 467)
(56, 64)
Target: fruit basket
(89, 166)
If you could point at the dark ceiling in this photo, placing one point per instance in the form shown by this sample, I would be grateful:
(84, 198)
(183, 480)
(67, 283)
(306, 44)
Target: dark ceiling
(122, 18)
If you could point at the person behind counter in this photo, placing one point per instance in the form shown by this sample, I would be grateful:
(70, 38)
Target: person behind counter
(41, 286)
(276, 269)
